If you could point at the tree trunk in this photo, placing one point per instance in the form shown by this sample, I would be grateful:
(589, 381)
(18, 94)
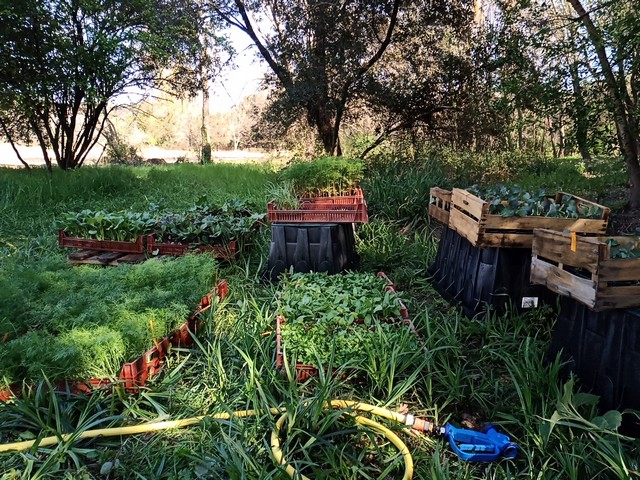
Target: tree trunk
(581, 113)
(625, 120)
(205, 153)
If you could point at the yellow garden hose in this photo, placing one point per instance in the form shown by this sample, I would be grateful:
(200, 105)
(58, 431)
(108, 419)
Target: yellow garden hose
(408, 420)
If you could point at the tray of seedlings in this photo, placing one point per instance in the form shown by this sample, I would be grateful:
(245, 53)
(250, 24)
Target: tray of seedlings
(600, 272)
(93, 327)
(321, 191)
(506, 216)
(205, 228)
(339, 320)
(102, 231)
(111, 238)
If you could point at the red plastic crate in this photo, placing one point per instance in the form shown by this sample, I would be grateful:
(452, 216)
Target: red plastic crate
(65, 241)
(230, 250)
(135, 374)
(335, 209)
(304, 371)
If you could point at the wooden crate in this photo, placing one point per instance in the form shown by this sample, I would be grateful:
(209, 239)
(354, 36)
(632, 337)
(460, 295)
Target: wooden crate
(440, 204)
(586, 272)
(470, 217)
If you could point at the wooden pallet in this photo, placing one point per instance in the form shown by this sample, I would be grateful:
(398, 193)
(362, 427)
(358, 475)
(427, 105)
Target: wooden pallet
(94, 257)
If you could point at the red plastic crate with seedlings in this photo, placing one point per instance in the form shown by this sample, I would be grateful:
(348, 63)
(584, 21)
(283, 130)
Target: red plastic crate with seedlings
(94, 323)
(98, 230)
(340, 320)
(321, 191)
(205, 228)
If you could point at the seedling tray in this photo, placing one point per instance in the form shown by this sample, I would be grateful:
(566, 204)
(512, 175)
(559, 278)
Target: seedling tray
(135, 374)
(304, 372)
(335, 209)
(227, 251)
(470, 217)
(586, 272)
(65, 241)
(440, 204)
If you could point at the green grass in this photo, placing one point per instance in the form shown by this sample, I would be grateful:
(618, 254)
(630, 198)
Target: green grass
(487, 369)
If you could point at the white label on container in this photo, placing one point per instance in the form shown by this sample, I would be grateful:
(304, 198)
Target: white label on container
(529, 302)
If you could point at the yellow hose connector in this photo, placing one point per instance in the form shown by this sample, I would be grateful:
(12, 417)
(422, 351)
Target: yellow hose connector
(407, 420)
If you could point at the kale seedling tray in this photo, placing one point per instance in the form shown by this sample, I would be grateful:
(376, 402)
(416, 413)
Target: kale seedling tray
(65, 241)
(304, 372)
(582, 268)
(470, 217)
(221, 252)
(350, 208)
(135, 374)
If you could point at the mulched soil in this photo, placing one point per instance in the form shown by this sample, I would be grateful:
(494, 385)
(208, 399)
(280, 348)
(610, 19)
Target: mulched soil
(625, 220)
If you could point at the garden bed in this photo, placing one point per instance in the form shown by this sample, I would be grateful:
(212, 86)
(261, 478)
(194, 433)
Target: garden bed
(584, 268)
(306, 370)
(470, 216)
(349, 208)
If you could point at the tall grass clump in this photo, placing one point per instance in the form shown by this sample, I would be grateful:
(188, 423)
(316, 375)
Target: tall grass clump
(397, 188)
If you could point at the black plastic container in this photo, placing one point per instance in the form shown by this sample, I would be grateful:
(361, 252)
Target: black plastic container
(603, 350)
(479, 277)
(311, 247)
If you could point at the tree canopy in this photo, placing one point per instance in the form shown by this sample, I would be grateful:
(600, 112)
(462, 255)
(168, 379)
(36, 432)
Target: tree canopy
(324, 55)
(65, 62)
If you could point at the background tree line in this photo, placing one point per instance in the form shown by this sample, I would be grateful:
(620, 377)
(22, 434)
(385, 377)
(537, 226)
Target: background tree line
(554, 77)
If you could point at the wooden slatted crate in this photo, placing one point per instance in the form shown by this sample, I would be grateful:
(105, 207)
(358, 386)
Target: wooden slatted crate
(440, 204)
(470, 217)
(586, 272)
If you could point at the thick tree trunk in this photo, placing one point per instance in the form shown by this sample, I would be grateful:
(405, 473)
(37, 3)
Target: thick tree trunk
(625, 120)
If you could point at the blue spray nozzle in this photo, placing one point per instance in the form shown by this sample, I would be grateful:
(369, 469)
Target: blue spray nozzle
(486, 446)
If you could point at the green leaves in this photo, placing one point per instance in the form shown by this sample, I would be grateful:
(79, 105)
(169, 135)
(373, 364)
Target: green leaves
(324, 176)
(202, 224)
(334, 318)
(631, 248)
(121, 226)
(85, 322)
(513, 202)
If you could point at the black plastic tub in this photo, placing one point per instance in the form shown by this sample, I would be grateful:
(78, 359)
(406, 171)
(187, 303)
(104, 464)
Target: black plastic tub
(477, 278)
(603, 350)
(311, 248)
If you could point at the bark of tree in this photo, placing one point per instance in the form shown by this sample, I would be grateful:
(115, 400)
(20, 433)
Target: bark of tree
(580, 108)
(625, 119)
